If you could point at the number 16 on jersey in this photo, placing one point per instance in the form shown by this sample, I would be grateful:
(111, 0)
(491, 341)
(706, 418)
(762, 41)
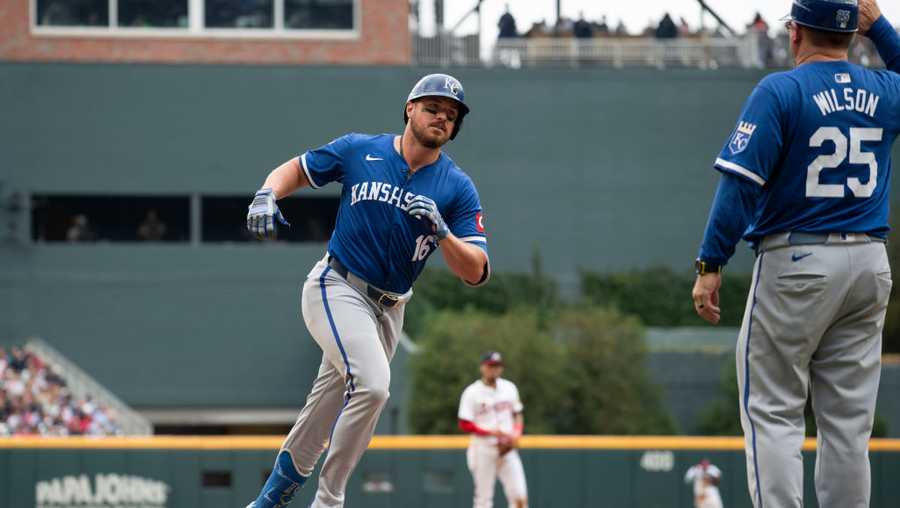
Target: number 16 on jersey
(423, 247)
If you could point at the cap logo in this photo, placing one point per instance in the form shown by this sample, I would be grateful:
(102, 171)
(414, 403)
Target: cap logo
(452, 85)
(842, 18)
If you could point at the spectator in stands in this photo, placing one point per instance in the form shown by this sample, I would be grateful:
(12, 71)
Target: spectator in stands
(684, 30)
(602, 26)
(758, 24)
(582, 29)
(18, 360)
(666, 28)
(760, 29)
(507, 25)
(80, 230)
(539, 29)
(152, 229)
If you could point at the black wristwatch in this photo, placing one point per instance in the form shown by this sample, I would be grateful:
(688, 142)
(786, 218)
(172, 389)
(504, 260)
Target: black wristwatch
(704, 267)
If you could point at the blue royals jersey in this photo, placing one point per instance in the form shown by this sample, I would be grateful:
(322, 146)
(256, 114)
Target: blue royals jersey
(374, 236)
(818, 139)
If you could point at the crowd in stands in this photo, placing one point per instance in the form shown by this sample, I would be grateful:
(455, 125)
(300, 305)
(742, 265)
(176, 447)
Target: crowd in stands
(773, 44)
(34, 400)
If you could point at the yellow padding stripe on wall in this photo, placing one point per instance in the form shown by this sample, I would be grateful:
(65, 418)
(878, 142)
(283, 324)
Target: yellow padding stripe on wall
(404, 443)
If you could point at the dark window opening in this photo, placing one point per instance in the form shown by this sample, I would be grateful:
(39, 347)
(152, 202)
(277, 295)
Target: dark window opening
(153, 13)
(239, 13)
(312, 219)
(318, 14)
(78, 219)
(73, 12)
(216, 479)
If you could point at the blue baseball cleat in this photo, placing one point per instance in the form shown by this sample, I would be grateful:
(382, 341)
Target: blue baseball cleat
(283, 483)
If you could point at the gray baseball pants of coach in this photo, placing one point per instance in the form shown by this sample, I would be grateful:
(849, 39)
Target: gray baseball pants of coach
(813, 325)
(358, 339)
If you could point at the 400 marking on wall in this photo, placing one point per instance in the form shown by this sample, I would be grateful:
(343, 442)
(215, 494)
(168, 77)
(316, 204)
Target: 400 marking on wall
(658, 461)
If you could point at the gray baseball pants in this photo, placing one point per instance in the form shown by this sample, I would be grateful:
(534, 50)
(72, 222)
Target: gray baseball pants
(812, 325)
(358, 339)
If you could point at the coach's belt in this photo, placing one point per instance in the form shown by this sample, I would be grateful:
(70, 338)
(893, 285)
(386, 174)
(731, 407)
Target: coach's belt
(798, 238)
(380, 297)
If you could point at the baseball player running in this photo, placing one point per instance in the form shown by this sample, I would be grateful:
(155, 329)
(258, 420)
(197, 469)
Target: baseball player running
(402, 198)
(491, 411)
(705, 478)
(805, 179)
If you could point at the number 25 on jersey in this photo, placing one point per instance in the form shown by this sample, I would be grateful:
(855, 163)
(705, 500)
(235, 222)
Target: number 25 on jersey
(816, 189)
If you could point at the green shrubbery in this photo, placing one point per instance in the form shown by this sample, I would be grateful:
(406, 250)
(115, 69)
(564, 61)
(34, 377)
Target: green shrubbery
(580, 369)
(661, 297)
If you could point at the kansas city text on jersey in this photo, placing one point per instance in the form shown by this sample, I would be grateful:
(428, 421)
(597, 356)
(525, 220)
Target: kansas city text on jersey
(860, 100)
(380, 191)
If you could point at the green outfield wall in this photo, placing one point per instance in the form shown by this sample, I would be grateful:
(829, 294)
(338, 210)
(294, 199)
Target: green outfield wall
(426, 472)
(600, 170)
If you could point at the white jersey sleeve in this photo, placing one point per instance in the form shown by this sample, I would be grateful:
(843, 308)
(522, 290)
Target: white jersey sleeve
(517, 402)
(690, 474)
(467, 404)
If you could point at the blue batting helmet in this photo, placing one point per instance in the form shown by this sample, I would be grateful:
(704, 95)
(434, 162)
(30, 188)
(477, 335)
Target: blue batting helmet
(440, 85)
(828, 15)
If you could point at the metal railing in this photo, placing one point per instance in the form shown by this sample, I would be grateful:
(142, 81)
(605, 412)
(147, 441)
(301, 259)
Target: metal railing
(82, 385)
(703, 52)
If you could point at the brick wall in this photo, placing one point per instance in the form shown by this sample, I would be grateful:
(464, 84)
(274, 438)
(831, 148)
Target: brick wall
(384, 39)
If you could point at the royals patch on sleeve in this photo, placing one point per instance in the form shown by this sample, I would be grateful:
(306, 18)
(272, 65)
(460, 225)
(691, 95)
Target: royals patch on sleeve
(741, 137)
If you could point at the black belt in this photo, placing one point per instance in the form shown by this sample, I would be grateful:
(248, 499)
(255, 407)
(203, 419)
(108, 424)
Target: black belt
(380, 297)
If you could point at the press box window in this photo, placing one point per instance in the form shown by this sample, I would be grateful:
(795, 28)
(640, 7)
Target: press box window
(153, 13)
(239, 13)
(197, 16)
(85, 219)
(73, 12)
(318, 14)
(224, 219)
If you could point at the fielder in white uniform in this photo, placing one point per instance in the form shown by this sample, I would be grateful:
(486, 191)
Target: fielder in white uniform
(490, 410)
(705, 477)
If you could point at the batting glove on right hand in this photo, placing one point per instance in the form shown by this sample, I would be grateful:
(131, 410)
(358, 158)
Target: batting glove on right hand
(423, 206)
(262, 213)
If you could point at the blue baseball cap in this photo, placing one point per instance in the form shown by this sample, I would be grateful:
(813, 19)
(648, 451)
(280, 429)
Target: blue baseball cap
(828, 15)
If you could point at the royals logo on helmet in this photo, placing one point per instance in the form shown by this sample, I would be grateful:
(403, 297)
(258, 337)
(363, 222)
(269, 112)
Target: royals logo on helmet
(452, 85)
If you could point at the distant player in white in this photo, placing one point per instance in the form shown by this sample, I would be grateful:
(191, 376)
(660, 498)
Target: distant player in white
(491, 411)
(705, 477)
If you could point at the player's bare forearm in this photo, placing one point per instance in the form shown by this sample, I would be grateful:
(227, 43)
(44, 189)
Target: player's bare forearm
(286, 178)
(467, 261)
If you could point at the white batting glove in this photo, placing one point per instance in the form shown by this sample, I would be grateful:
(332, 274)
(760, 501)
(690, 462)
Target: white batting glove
(422, 206)
(262, 213)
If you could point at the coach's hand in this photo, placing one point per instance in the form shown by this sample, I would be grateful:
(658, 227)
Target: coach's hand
(706, 296)
(868, 15)
(262, 213)
(422, 206)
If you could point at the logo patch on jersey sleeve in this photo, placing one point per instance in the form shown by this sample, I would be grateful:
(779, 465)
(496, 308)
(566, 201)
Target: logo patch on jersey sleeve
(741, 138)
(479, 222)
